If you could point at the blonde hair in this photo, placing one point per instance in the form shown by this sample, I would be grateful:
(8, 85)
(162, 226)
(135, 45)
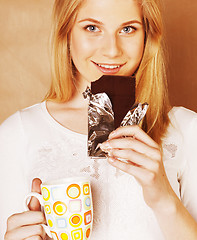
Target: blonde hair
(151, 80)
(62, 84)
(151, 83)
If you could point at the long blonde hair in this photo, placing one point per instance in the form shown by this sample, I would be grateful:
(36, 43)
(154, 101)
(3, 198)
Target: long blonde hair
(151, 83)
(151, 80)
(64, 15)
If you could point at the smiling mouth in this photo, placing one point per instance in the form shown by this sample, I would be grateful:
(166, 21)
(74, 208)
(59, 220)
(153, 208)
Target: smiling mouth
(108, 68)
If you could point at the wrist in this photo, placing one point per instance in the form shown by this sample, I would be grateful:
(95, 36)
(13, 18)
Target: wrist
(175, 221)
(167, 207)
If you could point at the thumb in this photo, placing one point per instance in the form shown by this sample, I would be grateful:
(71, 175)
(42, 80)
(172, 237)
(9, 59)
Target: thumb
(34, 204)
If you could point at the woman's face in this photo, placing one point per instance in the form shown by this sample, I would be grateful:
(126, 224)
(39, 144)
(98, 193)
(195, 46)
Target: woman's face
(107, 38)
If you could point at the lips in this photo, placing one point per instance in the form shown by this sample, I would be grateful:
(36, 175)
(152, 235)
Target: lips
(108, 68)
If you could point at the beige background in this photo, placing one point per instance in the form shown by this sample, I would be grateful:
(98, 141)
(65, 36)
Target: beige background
(24, 53)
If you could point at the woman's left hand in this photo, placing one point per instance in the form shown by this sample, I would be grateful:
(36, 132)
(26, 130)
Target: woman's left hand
(144, 162)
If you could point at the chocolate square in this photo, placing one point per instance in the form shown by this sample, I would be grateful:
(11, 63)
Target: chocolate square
(120, 90)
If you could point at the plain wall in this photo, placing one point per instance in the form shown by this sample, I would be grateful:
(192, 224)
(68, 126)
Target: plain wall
(24, 52)
(181, 38)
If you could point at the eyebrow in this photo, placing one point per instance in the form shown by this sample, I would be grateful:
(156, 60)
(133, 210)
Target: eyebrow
(100, 23)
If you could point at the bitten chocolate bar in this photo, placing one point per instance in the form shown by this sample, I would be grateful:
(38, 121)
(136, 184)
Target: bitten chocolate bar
(110, 105)
(121, 92)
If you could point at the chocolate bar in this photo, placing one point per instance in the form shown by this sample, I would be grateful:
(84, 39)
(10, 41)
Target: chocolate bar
(110, 99)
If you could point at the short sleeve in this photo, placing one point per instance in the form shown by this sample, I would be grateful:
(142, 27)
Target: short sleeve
(12, 157)
(188, 180)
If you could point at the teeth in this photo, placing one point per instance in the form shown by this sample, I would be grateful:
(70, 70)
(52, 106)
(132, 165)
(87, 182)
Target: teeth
(109, 66)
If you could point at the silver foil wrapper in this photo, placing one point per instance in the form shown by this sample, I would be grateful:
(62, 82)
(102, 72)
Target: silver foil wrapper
(135, 115)
(101, 120)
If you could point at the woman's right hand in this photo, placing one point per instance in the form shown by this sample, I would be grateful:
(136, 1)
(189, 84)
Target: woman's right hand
(27, 225)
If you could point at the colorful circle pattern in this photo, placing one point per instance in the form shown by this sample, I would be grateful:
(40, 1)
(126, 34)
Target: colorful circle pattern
(87, 232)
(50, 222)
(75, 220)
(87, 203)
(45, 193)
(64, 236)
(59, 208)
(79, 202)
(74, 191)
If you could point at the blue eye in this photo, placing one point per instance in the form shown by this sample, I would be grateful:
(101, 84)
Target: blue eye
(92, 28)
(128, 29)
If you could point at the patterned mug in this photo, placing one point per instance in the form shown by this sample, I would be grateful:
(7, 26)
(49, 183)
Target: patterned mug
(68, 208)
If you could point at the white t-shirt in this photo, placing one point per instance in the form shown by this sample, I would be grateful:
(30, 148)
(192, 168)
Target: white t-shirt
(33, 144)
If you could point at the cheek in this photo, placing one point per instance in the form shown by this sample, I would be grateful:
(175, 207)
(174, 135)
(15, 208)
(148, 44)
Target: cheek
(135, 50)
(134, 47)
(82, 47)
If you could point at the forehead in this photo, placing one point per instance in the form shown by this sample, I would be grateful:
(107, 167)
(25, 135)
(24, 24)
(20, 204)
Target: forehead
(110, 10)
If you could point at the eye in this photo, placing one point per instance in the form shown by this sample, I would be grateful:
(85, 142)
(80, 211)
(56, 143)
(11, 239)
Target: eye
(128, 29)
(92, 28)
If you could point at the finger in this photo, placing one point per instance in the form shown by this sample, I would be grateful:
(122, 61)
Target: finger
(34, 238)
(26, 232)
(34, 204)
(135, 132)
(136, 171)
(133, 144)
(135, 158)
(24, 219)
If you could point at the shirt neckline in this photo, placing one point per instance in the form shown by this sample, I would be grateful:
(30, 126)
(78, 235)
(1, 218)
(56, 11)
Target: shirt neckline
(69, 131)
(57, 124)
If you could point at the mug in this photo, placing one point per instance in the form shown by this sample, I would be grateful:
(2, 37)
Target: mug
(67, 205)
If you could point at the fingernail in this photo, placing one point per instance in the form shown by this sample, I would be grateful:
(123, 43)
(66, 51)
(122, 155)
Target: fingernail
(110, 153)
(105, 146)
(101, 147)
(112, 134)
(110, 159)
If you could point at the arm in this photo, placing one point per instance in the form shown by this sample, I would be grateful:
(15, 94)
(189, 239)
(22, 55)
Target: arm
(145, 164)
(184, 217)
(13, 185)
(11, 169)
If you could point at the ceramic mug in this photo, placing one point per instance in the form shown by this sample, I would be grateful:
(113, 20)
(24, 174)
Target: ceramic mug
(68, 208)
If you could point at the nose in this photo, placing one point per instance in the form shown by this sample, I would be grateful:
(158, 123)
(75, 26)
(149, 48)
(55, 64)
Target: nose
(111, 47)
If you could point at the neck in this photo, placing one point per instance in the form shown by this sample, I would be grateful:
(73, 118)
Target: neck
(78, 101)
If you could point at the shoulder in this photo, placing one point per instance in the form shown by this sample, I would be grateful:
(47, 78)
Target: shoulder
(183, 119)
(29, 112)
(13, 125)
(183, 130)
(32, 112)
(179, 143)
(187, 121)
(183, 113)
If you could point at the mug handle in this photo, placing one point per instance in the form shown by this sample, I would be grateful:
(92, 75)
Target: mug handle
(40, 199)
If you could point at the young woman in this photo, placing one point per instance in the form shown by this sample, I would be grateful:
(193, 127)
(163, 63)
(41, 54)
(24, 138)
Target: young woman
(154, 195)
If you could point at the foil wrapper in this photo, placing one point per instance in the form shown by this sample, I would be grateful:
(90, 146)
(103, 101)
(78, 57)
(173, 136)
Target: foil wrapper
(101, 120)
(135, 115)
